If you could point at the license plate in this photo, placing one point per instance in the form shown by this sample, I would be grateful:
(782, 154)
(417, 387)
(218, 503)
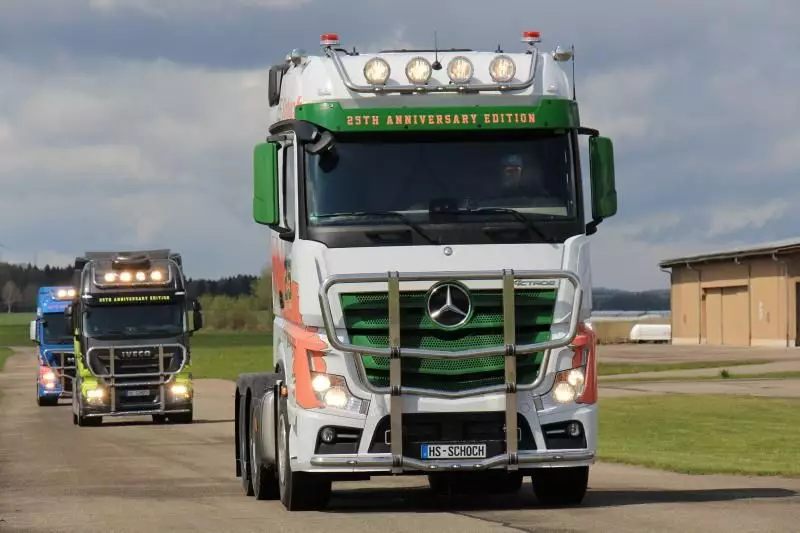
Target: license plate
(453, 451)
(138, 393)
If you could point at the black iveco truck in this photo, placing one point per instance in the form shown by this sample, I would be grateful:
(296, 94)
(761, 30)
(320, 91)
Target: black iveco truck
(130, 322)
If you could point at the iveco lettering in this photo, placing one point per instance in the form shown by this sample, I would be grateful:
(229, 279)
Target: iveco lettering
(130, 323)
(431, 275)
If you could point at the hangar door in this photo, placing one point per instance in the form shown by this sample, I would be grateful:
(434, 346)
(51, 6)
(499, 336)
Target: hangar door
(726, 316)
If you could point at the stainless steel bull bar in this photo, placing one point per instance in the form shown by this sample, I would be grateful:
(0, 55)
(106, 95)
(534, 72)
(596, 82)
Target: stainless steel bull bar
(59, 370)
(163, 376)
(510, 350)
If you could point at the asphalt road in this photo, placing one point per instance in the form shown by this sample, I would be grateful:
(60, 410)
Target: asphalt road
(134, 476)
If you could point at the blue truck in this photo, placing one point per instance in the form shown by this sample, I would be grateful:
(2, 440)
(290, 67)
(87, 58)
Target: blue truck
(55, 348)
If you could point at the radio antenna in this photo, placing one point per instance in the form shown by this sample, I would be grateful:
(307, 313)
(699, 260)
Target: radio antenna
(436, 65)
(573, 73)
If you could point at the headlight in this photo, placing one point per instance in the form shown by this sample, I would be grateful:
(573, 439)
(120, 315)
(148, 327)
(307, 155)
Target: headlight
(332, 392)
(179, 390)
(502, 69)
(94, 394)
(48, 375)
(460, 69)
(568, 385)
(418, 70)
(377, 71)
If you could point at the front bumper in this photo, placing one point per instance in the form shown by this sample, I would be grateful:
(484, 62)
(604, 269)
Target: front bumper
(365, 446)
(116, 402)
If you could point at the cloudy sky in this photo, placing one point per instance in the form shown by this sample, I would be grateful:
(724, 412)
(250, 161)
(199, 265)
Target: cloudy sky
(130, 123)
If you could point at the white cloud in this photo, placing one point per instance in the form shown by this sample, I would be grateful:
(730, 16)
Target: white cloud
(727, 219)
(154, 153)
(168, 8)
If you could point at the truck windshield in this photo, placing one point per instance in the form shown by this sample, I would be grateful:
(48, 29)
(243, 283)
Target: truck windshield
(152, 320)
(529, 172)
(53, 326)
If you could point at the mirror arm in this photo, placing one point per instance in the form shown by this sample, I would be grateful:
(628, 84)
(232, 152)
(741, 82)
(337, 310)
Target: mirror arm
(287, 235)
(591, 227)
(588, 131)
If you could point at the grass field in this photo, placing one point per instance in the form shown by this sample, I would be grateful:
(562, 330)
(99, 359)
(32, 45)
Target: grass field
(14, 329)
(613, 369)
(225, 355)
(703, 434)
(729, 376)
(5, 353)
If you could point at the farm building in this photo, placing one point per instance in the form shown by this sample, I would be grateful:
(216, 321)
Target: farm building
(744, 296)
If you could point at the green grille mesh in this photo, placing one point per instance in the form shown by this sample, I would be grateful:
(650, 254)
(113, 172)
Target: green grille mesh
(366, 317)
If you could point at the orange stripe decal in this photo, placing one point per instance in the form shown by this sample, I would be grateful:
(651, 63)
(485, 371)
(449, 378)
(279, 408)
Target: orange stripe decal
(307, 354)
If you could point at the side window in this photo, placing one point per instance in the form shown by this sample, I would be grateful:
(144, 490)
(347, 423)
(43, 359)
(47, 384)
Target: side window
(288, 186)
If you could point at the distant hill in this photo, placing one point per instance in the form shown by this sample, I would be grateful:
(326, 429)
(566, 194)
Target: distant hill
(618, 300)
(19, 285)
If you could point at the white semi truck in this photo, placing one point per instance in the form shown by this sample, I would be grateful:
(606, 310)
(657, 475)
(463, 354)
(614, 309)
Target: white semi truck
(431, 276)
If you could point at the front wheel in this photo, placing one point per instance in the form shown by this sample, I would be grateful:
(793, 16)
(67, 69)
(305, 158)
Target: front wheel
(299, 491)
(181, 418)
(560, 486)
(46, 401)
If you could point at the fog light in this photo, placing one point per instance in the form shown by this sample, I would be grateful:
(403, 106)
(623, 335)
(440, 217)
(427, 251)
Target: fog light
(328, 435)
(574, 429)
(50, 385)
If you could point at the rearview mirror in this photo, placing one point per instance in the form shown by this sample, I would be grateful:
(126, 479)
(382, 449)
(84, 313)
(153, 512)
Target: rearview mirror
(324, 143)
(197, 315)
(69, 323)
(604, 191)
(265, 183)
(33, 330)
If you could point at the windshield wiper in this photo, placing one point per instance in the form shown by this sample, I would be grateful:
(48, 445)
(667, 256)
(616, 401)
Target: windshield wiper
(504, 210)
(383, 214)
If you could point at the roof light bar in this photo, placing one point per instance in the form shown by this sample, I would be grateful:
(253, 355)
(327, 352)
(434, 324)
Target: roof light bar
(131, 278)
(329, 39)
(64, 294)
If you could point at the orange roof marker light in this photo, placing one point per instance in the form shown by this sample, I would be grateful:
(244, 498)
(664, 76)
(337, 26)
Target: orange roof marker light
(531, 37)
(329, 39)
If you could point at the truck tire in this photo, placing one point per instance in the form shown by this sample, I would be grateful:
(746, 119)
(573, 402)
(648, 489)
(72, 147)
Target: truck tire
(77, 414)
(46, 401)
(249, 386)
(264, 478)
(299, 491)
(560, 486)
(89, 421)
(241, 415)
(181, 418)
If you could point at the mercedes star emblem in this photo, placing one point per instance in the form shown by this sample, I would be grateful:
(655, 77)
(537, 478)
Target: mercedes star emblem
(449, 305)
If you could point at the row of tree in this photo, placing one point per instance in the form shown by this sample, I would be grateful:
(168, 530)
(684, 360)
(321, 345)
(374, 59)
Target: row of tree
(19, 285)
(244, 302)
